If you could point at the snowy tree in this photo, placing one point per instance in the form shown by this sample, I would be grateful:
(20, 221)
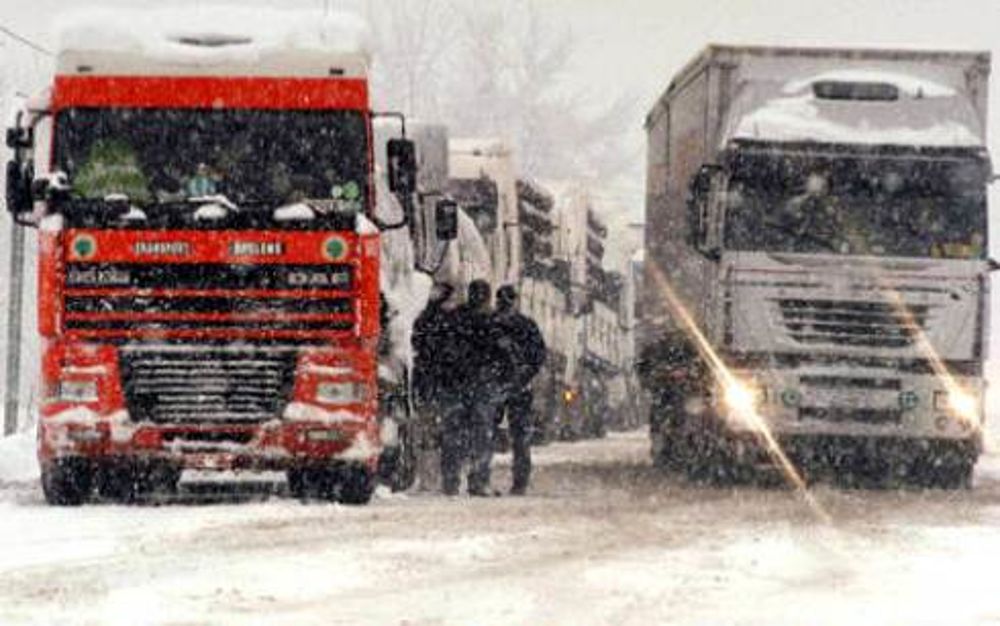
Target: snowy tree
(498, 70)
(412, 42)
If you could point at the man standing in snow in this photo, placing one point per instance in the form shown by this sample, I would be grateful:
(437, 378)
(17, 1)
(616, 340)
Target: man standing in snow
(432, 358)
(475, 382)
(430, 342)
(524, 350)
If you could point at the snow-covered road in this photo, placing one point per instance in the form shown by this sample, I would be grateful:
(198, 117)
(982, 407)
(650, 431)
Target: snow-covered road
(604, 539)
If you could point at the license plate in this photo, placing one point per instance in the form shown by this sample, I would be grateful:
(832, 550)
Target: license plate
(209, 461)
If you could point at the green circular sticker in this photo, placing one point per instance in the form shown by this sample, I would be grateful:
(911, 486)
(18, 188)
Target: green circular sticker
(84, 247)
(335, 248)
(791, 397)
(352, 191)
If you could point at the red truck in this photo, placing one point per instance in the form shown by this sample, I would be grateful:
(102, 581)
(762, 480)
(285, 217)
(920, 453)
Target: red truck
(209, 263)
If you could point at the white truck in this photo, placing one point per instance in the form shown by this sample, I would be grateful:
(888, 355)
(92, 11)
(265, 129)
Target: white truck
(819, 218)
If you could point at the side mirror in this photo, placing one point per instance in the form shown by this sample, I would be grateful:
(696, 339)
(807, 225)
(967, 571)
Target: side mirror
(700, 224)
(402, 161)
(702, 181)
(446, 220)
(18, 196)
(19, 138)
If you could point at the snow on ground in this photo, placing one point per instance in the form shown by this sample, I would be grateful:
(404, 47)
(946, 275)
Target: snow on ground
(603, 539)
(18, 462)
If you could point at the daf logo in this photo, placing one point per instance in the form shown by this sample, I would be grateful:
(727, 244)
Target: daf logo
(162, 248)
(256, 248)
(317, 279)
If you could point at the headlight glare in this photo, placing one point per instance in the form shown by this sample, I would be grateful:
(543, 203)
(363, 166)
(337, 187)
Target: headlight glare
(741, 396)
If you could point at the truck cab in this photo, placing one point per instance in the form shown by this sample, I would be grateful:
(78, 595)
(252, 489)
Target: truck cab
(817, 224)
(209, 260)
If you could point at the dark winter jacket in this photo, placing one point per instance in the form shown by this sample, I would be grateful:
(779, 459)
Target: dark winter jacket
(478, 358)
(433, 351)
(523, 347)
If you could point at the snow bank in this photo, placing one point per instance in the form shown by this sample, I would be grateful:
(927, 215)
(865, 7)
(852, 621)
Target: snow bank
(18, 462)
(225, 33)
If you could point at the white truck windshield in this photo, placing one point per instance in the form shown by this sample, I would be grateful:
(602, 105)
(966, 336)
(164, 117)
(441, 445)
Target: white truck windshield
(876, 206)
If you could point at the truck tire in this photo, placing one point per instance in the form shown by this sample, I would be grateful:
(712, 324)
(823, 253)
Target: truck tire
(67, 482)
(117, 483)
(357, 485)
(347, 484)
(946, 466)
(300, 483)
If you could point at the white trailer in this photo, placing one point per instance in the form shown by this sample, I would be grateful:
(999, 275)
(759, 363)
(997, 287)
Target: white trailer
(821, 215)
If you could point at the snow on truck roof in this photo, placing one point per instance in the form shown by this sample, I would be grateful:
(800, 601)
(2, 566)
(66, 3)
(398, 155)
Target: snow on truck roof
(873, 98)
(857, 106)
(226, 40)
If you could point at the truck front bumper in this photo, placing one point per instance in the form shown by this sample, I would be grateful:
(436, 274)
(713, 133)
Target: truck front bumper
(803, 403)
(276, 445)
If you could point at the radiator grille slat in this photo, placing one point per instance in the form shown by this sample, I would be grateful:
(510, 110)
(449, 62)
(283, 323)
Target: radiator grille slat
(120, 298)
(205, 386)
(852, 323)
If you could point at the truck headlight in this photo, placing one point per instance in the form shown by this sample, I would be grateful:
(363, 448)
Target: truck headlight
(347, 392)
(77, 391)
(741, 396)
(958, 402)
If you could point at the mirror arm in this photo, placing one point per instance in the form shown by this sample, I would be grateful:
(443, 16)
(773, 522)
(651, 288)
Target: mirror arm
(27, 223)
(431, 271)
(396, 115)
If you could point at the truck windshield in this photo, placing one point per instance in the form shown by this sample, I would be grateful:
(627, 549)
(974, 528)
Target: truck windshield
(911, 207)
(260, 158)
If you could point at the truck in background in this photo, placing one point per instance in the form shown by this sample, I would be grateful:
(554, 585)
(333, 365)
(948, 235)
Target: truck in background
(545, 239)
(517, 221)
(209, 269)
(819, 218)
(437, 244)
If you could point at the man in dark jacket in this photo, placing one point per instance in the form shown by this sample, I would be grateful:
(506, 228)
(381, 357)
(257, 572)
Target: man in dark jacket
(524, 351)
(430, 340)
(471, 408)
(433, 349)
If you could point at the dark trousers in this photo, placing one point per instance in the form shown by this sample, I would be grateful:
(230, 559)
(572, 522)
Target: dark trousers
(467, 434)
(518, 407)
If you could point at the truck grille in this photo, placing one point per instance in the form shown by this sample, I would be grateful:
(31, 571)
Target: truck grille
(204, 298)
(207, 385)
(852, 323)
(840, 414)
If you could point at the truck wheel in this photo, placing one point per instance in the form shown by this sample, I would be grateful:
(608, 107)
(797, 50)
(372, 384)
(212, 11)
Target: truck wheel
(117, 483)
(357, 485)
(946, 466)
(67, 482)
(298, 483)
